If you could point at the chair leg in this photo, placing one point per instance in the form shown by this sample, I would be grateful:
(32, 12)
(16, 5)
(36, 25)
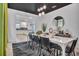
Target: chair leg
(60, 53)
(40, 51)
(54, 52)
(32, 45)
(74, 53)
(57, 52)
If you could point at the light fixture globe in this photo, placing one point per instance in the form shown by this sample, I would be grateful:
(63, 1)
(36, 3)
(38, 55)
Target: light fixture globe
(41, 8)
(39, 14)
(43, 13)
(44, 7)
(38, 9)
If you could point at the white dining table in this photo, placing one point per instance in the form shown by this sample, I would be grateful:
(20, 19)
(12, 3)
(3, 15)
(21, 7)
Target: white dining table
(61, 41)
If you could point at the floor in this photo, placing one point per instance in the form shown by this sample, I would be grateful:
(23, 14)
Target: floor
(19, 38)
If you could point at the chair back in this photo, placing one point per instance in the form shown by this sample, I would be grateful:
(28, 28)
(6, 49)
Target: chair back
(36, 39)
(45, 42)
(73, 45)
(31, 36)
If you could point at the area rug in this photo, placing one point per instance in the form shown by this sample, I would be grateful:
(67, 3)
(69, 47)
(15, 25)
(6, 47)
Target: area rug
(24, 49)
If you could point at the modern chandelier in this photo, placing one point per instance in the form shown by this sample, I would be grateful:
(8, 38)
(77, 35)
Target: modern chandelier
(41, 10)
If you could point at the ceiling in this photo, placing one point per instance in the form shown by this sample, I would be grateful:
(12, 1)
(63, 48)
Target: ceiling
(32, 7)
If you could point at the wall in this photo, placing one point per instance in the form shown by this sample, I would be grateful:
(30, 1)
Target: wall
(70, 14)
(13, 15)
(78, 20)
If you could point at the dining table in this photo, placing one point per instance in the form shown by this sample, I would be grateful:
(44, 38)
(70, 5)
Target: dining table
(61, 41)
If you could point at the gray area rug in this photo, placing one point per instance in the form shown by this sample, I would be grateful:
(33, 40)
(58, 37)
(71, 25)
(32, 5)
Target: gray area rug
(25, 49)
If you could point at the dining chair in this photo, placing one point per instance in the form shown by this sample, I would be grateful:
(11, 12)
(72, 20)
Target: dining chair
(48, 46)
(55, 47)
(31, 39)
(71, 49)
(45, 44)
(37, 41)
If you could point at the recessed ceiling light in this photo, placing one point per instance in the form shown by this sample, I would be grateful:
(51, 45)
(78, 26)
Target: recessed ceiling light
(54, 6)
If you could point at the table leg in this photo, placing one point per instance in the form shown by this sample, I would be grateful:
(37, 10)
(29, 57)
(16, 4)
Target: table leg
(63, 49)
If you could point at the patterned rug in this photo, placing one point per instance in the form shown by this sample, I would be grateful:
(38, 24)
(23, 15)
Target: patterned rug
(25, 49)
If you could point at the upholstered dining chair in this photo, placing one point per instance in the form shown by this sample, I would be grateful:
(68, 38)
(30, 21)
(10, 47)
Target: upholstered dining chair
(45, 44)
(48, 46)
(37, 41)
(69, 50)
(31, 39)
(55, 47)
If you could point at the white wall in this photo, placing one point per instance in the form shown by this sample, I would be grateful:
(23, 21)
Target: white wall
(70, 14)
(78, 19)
(13, 15)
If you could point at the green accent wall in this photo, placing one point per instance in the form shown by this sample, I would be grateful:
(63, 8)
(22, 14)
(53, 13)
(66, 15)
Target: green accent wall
(1, 30)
